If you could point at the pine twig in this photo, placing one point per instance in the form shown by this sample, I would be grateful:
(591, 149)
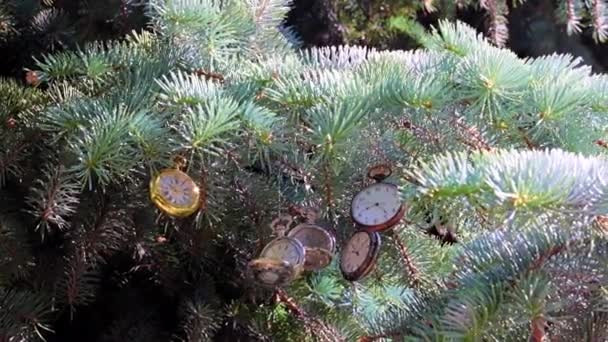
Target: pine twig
(316, 327)
(210, 75)
(373, 338)
(539, 262)
(537, 327)
(601, 143)
(203, 188)
(573, 20)
(419, 132)
(247, 199)
(329, 193)
(428, 6)
(497, 21)
(472, 137)
(255, 215)
(12, 156)
(600, 27)
(411, 269)
(531, 145)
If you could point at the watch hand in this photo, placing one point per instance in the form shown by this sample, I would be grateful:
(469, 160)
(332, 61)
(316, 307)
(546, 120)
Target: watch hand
(371, 206)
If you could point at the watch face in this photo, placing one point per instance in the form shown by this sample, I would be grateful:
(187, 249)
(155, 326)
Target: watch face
(175, 193)
(377, 205)
(177, 188)
(356, 252)
(286, 249)
(359, 254)
(313, 236)
(318, 243)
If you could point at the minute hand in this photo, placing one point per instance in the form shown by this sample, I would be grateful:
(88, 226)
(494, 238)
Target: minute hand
(376, 205)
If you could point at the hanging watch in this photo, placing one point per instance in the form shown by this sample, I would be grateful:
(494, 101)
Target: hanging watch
(318, 243)
(288, 255)
(175, 193)
(378, 207)
(359, 255)
(272, 272)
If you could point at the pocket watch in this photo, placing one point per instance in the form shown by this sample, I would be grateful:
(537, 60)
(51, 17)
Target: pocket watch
(280, 262)
(318, 243)
(175, 193)
(359, 255)
(272, 272)
(378, 207)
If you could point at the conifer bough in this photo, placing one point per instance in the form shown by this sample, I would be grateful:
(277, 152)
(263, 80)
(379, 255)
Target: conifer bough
(503, 150)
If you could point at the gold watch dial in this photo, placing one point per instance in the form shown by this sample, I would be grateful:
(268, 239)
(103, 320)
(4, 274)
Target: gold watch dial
(175, 193)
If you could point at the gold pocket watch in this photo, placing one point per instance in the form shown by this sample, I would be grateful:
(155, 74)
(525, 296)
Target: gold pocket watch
(318, 243)
(175, 193)
(279, 263)
(359, 255)
(378, 207)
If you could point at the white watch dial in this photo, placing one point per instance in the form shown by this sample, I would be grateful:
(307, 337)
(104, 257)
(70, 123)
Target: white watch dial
(176, 189)
(356, 252)
(376, 205)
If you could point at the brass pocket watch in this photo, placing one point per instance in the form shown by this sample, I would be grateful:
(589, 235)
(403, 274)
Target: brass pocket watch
(279, 263)
(175, 193)
(318, 243)
(378, 207)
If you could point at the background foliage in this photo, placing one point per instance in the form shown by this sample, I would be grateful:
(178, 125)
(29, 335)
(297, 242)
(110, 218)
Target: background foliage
(502, 161)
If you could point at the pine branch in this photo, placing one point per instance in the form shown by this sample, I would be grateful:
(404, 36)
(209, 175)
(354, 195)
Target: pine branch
(204, 129)
(199, 320)
(573, 20)
(79, 284)
(102, 238)
(10, 157)
(497, 22)
(15, 253)
(472, 136)
(23, 315)
(412, 272)
(510, 177)
(315, 326)
(53, 200)
(600, 20)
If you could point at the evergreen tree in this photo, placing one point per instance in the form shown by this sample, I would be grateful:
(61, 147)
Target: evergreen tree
(378, 22)
(501, 162)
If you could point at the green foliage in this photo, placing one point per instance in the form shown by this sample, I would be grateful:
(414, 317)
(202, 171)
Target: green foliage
(24, 315)
(486, 146)
(396, 23)
(53, 199)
